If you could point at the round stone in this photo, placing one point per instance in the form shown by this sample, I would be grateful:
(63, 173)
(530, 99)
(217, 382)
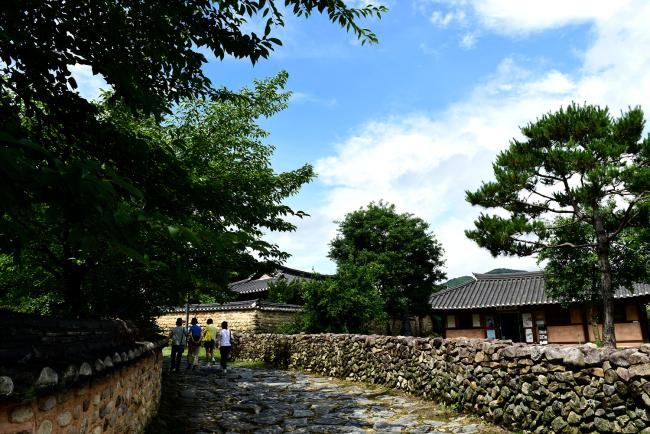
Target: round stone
(22, 414)
(64, 418)
(85, 369)
(70, 374)
(46, 427)
(6, 386)
(48, 403)
(48, 377)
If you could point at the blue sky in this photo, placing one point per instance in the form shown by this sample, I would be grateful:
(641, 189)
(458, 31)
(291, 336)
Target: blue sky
(417, 119)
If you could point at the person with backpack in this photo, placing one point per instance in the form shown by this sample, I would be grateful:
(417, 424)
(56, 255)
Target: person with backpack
(209, 336)
(178, 338)
(225, 345)
(193, 344)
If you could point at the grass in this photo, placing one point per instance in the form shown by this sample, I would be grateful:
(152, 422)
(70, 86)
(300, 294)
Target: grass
(167, 351)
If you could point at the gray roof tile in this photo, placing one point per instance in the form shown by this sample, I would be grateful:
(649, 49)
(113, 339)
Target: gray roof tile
(508, 289)
(259, 284)
(240, 305)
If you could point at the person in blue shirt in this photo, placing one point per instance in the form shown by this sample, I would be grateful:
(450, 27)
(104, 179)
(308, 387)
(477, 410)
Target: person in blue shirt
(193, 344)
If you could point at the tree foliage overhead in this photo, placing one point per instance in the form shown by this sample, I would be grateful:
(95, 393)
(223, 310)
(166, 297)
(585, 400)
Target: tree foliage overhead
(403, 253)
(148, 51)
(210, 193)
(580, 164)
(90, 192)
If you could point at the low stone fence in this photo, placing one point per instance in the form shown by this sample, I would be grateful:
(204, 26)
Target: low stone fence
(64, 376)
(258, 316)
(541, 389)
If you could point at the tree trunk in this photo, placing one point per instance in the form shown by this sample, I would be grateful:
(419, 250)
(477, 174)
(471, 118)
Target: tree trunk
(593, 318)
(607, 291)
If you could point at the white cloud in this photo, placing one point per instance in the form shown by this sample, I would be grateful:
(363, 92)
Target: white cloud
(468, 40)
(89, 85)
(424, 162)
(444, 19)
(515, 16)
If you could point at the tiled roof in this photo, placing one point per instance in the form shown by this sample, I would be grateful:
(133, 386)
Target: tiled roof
(240, 305)
(258, 284)
(508, 289)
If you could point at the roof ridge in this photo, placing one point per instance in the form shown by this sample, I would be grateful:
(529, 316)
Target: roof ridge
(444, 291)
(239, 281)
(529, 274)
(296, 271)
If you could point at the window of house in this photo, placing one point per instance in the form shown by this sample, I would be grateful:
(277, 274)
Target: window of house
(451, 321)
(465, 321)
(619, 313)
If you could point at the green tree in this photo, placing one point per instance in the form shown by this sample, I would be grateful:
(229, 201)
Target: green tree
(210, 193)
(78, 184)
(403, 252)
(572, 274)
(149, 52)
(578, 163)
(287, 291)
(348, 302)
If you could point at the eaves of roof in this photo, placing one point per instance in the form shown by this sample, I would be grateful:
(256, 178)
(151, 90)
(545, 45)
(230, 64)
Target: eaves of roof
(239, 305)
(508, 290)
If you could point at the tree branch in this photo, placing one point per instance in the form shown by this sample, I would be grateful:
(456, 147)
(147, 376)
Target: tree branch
(567, 189)
(541, 195)
(627, 216)
(553, 246)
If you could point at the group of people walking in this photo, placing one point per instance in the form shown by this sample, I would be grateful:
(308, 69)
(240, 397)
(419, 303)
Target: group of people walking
(194, 338)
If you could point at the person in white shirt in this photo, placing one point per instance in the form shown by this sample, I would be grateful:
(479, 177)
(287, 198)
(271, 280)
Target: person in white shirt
(225, 344)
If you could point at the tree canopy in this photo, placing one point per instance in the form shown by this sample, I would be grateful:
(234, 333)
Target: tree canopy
(348, 302)
(91, 191)
(580, 164)
(148, 52)
(403, 253)
(207, 192)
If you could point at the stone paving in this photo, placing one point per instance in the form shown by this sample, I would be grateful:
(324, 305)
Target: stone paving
(267, 401)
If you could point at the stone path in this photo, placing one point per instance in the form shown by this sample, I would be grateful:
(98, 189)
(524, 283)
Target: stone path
(266, 401)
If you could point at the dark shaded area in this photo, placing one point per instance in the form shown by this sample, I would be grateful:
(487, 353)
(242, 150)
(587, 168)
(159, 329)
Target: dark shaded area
(31, 343)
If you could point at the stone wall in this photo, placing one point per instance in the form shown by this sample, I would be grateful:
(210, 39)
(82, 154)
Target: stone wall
(244, 320)
(420, 326)
(533, 388)
(123, 401)
(66, 376)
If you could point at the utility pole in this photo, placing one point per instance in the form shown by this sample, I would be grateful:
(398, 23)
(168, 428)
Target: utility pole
(187, 311)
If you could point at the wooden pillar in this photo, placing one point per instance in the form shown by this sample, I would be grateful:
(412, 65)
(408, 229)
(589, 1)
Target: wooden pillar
(643, 320)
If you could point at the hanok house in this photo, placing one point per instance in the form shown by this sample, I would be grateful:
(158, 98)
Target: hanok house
(251, 312)
(257, 286)
(515, 306)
